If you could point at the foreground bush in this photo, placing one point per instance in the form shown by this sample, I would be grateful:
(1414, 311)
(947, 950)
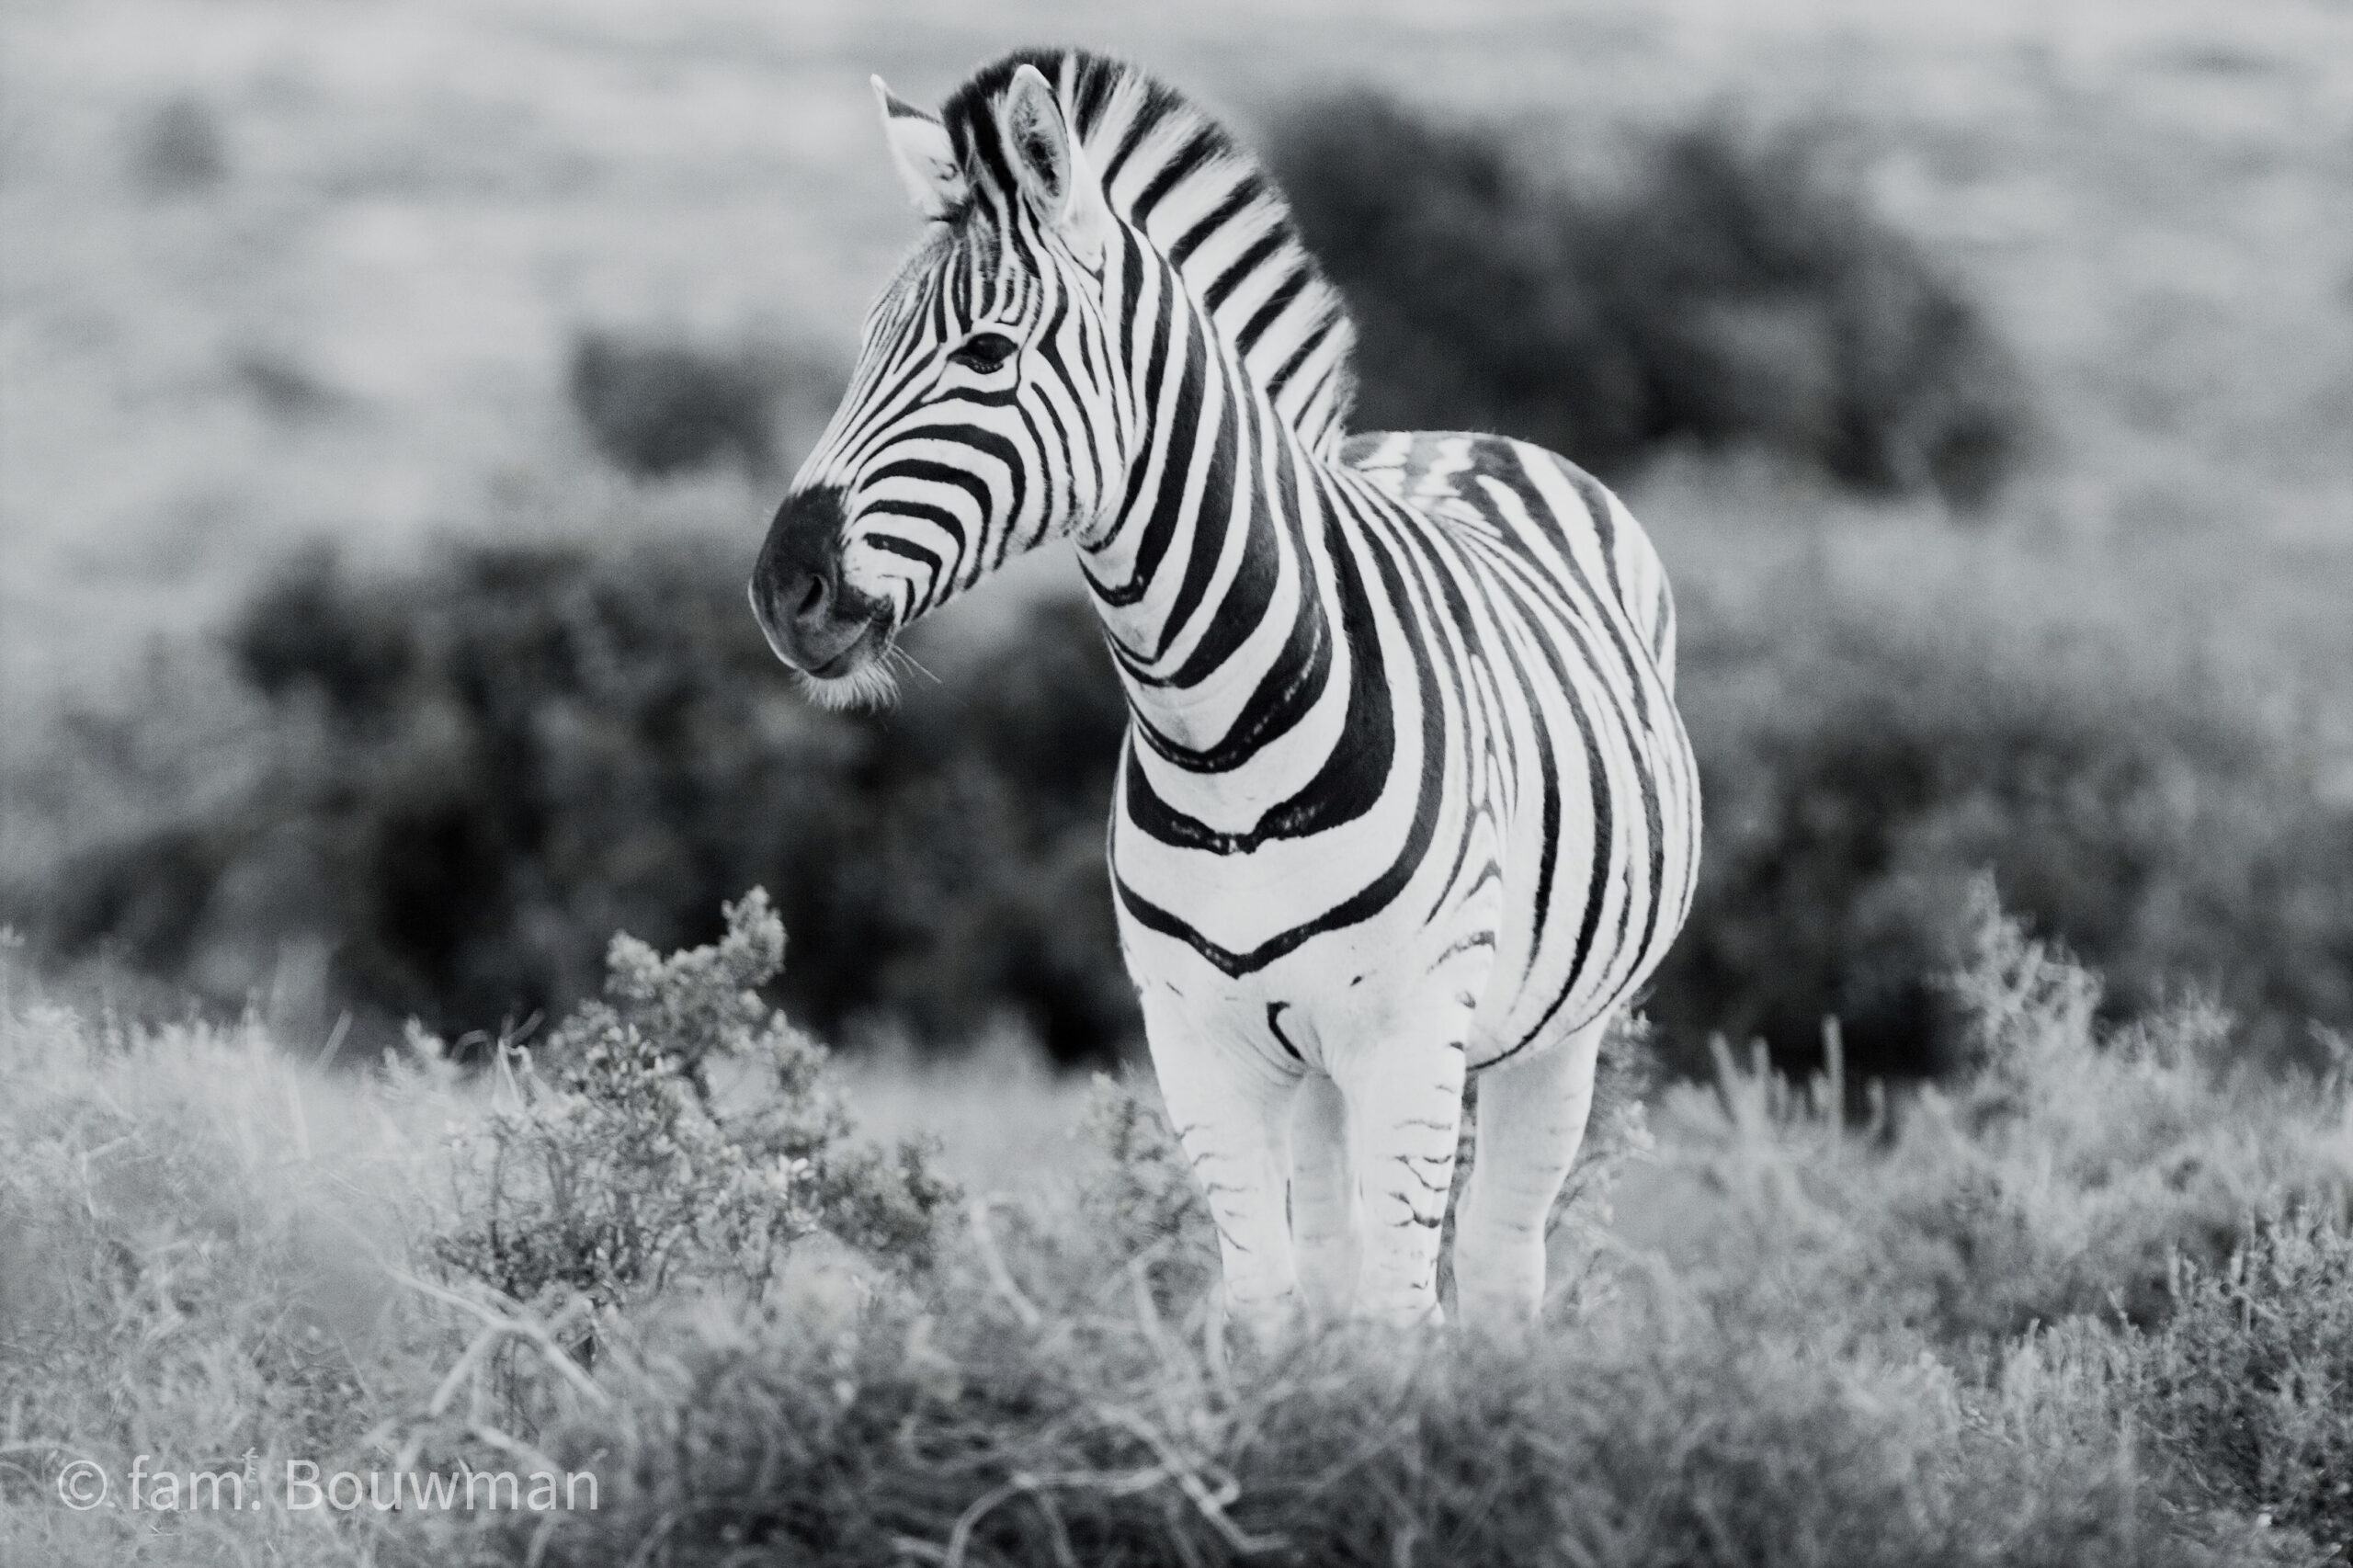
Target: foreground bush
(2070, 1170)
(216, 1257)
(1731, 291)
(194, 1234)
(1837, 1360)
(2252, 1377)
(1097, 1435)
(615, 1171)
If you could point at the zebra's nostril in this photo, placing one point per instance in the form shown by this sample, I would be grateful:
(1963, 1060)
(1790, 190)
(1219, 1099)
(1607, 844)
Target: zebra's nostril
(814, 600)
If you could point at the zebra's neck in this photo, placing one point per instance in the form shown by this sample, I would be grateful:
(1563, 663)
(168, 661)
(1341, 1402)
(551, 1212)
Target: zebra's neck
(1212, 571)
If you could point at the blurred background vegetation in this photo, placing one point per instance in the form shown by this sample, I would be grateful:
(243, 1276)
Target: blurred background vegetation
(395, 398)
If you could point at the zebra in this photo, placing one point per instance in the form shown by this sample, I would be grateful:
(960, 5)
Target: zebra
(1404, 794)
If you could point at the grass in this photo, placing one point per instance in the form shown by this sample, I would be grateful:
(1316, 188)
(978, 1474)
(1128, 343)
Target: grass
(313, 282)
(2087, 1305)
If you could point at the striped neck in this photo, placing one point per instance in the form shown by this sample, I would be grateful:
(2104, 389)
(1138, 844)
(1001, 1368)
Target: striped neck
(1211, 572)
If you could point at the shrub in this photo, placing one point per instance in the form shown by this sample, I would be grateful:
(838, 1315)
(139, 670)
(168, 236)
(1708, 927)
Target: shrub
(1861, 767)
(656, 407)
(1732, 291)
(1056, 1393)
(456, 781)
(1100, 1436)
(2065, 1171)
(201, 1234)
(193, 1231)
(2251, 1378)
(616, 1170)
(466, 777)
(178, 148)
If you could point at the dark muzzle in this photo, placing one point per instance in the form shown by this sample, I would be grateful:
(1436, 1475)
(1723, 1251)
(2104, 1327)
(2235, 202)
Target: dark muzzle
(797, 589)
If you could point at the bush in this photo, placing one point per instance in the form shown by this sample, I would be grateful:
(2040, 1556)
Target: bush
(616, 1170)
(194, 1230)
(450, 784)
(1732, 291)
(656, 407)
(178, 149)
(1861, 767)
(1826, 1367)
(2067, 1171)
(1097, 1435)
(214, 1254)
(2251, 1380)
(194, 1227)
(467, 777)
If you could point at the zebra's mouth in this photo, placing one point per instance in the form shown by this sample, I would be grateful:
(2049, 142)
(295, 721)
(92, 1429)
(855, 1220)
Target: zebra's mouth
(847, 660)
(858, 676)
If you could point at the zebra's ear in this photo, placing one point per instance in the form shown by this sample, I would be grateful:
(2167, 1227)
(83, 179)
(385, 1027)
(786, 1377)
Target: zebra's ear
(1051, 166)
(920, 148)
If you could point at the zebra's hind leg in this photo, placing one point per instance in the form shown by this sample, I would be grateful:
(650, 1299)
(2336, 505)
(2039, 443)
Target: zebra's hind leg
(1531, 1114)
(1325, 1218)
(1232, 1117)
(1405, 1109)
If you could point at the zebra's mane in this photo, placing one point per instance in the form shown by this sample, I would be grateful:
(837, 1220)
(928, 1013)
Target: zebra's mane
(1205, 203)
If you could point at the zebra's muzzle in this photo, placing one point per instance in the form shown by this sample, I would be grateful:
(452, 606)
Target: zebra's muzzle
(813, 620)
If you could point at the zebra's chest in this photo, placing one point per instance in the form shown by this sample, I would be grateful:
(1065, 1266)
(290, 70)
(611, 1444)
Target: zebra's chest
(1307, 903)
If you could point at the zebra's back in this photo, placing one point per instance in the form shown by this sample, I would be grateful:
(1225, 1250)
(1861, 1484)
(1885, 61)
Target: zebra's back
(1572, 637)
(1446, 476)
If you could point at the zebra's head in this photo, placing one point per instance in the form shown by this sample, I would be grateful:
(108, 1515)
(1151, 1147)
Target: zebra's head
(984, 417)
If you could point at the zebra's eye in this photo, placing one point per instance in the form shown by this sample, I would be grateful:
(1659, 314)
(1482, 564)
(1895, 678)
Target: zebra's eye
(985, 351)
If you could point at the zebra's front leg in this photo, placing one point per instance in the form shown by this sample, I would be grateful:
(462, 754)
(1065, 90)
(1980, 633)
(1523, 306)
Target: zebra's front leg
(1405, 1109)
(1232, 1114)
(1326, 1218)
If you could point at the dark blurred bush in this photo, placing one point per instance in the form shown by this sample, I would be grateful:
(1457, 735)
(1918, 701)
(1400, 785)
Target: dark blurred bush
(1730, 290)
(283, 387)
(480, 770)
(178, 149)
(653, 407)
(1859, 766)
(475, 773)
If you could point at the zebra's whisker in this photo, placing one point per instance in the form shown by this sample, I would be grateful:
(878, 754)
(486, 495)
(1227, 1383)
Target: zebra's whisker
(899, 655)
